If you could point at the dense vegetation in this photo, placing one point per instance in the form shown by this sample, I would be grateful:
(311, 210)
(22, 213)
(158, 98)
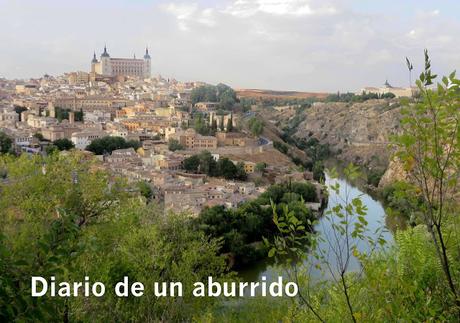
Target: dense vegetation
(106, 145)
(6, 144)
(203, 127)
(60, 216)
(351, 97)
(63, 144)
(374, 176)
(60, 144)
(273, 101)
(242, 229)
(63, 216)
(204, 163)
(296, 120)
(417, 279)
(221, 93)
(316, 151)
(281, 147)
(256, 126)
(174, 144)
(62, 114)
(145, 190)
(305, 102)
(401, 198)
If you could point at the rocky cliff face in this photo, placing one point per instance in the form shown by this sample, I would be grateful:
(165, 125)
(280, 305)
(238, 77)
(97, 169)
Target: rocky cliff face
(357, 132)
(394, 172)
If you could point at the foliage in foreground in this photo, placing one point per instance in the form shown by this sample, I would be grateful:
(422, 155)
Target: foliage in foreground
(62, 216)
(416, 279)
(402, 284)
(429, 149)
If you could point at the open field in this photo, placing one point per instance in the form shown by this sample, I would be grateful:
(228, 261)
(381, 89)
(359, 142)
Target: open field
(271, 94)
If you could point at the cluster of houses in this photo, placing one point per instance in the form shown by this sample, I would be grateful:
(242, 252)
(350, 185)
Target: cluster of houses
(153, 111)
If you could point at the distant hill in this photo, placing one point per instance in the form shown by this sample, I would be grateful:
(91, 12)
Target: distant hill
(271, 94)
(358, 132)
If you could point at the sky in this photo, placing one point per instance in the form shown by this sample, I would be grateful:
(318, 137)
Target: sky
(304, 45)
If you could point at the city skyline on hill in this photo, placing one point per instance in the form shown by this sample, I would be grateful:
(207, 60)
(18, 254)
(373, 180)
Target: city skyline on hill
(303, 45)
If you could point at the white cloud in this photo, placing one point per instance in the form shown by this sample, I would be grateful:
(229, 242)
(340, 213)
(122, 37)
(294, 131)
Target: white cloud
(190, 13)
(311, 45)
(248, 8)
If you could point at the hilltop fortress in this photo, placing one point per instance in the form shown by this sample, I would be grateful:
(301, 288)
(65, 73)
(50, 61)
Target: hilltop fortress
(109, 66)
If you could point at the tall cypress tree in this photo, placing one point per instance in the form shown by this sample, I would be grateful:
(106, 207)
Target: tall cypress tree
(222, 127)
(230, 123)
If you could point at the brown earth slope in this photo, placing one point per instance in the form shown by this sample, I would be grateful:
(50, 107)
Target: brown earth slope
(356, 132)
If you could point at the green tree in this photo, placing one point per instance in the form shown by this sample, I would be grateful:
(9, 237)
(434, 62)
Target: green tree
(226, 168)
(227, 99)
(79, 115)
(60, 196)
(106, 145)
(63, 144)
(240, 172)
(19, 109)
(5, 143)
(374, 176)
(306, 190)
(61, 216)
(256, 126)
(207, 163)
(51, 149)
(145, 189)
(200, 125)
(261, 166)
(318, 171)
(133, 144)
(63, 114)
(230, 124)
(282, 147)
(429, 148)
(173, 145)
(338, 247)
(192, 163)
(226, 96)
(205, 93)
(214, 124)
(388, 95)
(222, 125)
(404, 199)
(39, 136)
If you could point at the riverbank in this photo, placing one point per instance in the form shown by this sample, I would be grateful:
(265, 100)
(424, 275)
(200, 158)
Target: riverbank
(375, 217)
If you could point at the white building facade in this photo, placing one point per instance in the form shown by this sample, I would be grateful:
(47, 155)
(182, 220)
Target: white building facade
(108, 66)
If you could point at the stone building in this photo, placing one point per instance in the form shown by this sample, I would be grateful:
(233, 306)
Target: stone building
(192, 140)
(109, 66)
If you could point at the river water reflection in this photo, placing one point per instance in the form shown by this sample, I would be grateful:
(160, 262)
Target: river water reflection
(375, 218)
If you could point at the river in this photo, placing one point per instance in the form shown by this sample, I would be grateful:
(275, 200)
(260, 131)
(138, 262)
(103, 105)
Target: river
(375, 217)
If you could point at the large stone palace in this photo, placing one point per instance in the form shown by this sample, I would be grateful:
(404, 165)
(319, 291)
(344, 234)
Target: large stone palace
(109, 66)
